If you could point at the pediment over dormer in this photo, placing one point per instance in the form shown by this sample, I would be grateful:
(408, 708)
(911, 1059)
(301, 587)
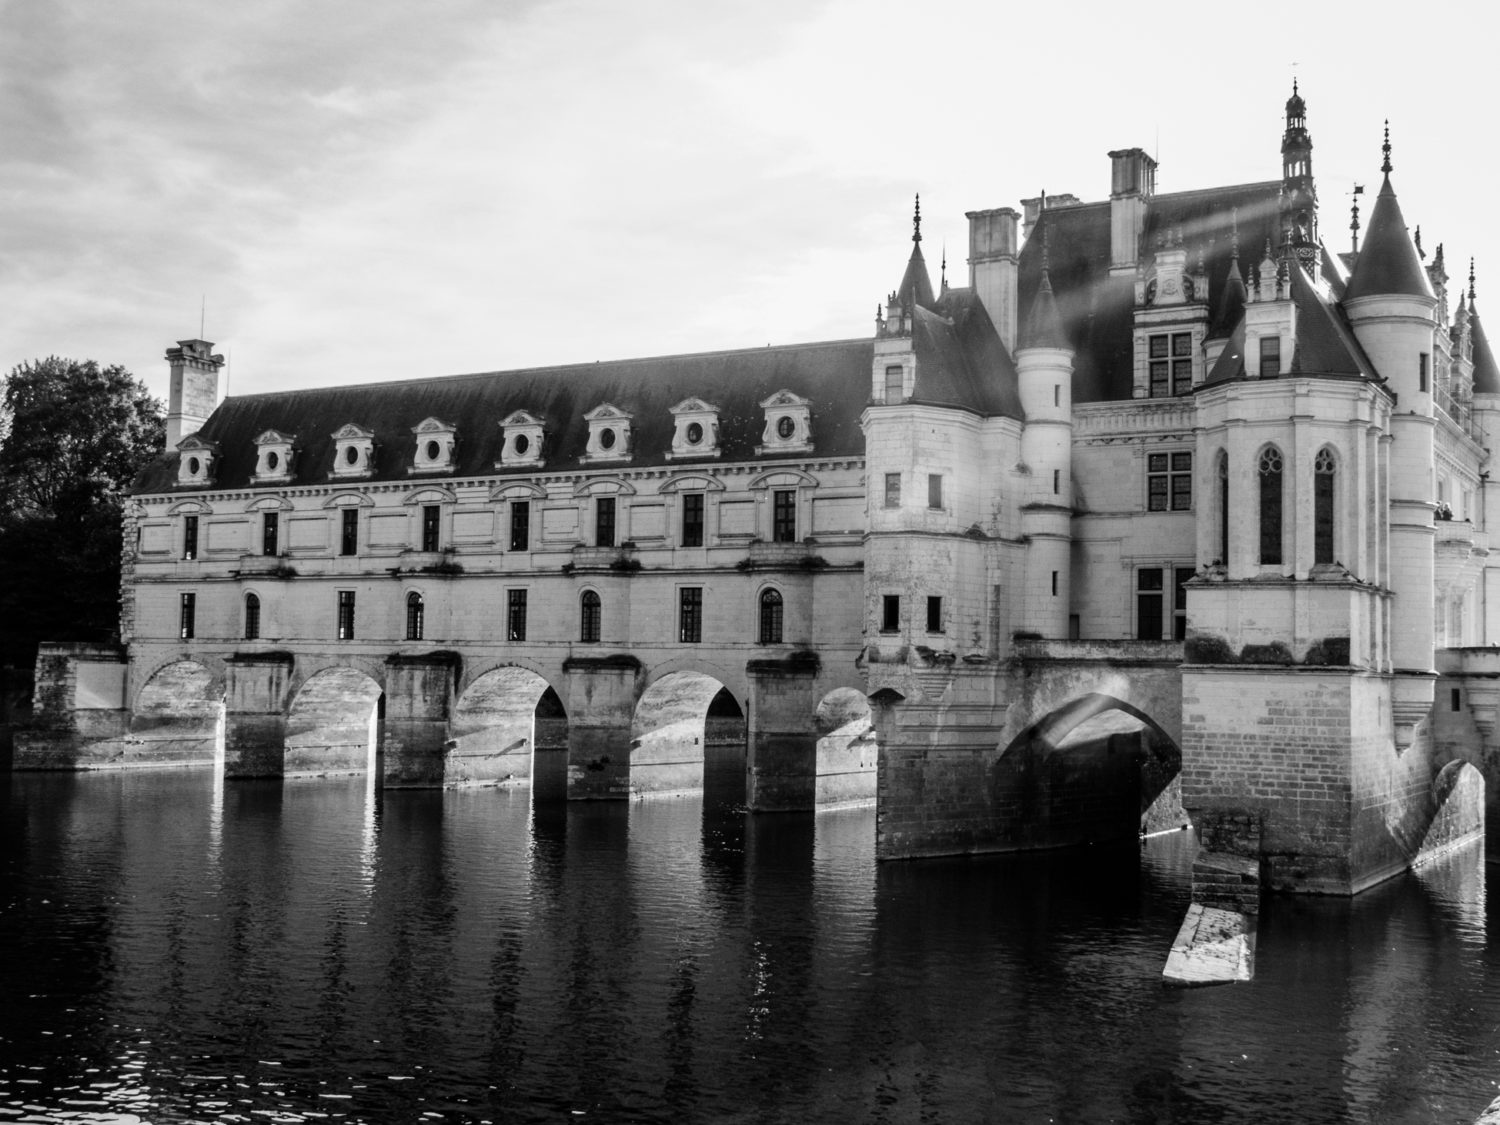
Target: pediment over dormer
(353, 452)
(274, 451)
(195, 463)
(436, 446)
(695, 430)
(274, 437)
(788, 427)
(609, 433)
(523, 440)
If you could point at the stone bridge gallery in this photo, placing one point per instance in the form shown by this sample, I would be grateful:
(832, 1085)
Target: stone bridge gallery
(1128, 524)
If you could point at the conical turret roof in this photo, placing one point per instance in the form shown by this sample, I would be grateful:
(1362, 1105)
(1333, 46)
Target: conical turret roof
(1486, 373)
(916, 285)
(1388, 264)
(1043, 327)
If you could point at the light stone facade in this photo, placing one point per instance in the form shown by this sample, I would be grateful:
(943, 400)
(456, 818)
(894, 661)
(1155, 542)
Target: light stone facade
(1172, 505)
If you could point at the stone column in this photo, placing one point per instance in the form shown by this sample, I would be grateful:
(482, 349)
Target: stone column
(418, 702)
(602, 695)
(255, 697)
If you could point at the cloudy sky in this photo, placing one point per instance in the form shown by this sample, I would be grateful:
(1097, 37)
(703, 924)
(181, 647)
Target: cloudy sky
(368, 189)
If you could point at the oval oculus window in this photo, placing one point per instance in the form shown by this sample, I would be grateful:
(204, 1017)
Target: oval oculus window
(434, 451)
(606, 439)
(351, 454)
(193, 466)
(785, 427)
(272, 460)
(694, 433)
(521, 445)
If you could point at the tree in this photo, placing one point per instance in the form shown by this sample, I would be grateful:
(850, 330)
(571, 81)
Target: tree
(78, 433)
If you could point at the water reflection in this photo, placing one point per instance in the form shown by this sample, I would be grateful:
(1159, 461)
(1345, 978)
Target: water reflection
(175, 948)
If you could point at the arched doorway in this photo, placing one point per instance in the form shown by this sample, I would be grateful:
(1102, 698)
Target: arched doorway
(1092, 770)
(509, 727)
(334, 724)
(676, 719)
(178, 716)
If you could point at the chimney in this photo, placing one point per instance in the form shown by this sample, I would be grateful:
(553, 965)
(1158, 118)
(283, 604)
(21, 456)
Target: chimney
(194, 390)
(1132, 183)
(992, 267)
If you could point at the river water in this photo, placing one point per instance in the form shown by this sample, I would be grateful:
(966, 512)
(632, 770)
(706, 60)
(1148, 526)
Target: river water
(175, 948)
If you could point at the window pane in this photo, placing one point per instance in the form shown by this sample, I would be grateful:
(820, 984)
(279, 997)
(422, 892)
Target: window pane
(1148, 617)
(1158, 346)
(1159, 379)
(1182, 343)
(430, 517)
(604, 521)
(515, 625)
(349, 541)
(1156, 497)
(692, 519)
(190, 537)
(1156, 463)
(252, 617)
(934, 615)
(1182, 376)
(690, 615)
(893, 384)
(268, 533)
(934, 490)
(1148, 578)
(591, 617)
(520, 525)
(893, 490)
(890, 613)
(186, 620)
(1182, 462)
(1182, 492)
(784, 516)
(1323, 517)
(770, 617)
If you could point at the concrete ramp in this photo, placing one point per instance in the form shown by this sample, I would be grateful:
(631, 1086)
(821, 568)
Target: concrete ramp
(1214, 946)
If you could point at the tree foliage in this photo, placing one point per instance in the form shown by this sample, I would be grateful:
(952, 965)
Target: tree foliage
(78, 433)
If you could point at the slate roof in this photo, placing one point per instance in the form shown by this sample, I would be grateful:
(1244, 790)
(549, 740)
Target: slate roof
(1387, 263)
(1486, 374)
(834, 376)
(916, 284)
(961, 360)
(1325, 345)
(1096, 312)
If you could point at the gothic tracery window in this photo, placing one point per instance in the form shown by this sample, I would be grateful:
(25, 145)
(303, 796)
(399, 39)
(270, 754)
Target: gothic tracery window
(1271, 476)
(1324, 468)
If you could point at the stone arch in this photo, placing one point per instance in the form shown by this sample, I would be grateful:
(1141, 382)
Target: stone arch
(509, 726)
(847, 750)
(178, 715)
(676, 718)
(334, 723)
(1095, 768)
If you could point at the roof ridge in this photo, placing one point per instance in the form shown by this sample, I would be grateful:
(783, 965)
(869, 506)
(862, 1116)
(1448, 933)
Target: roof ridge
(556, 368)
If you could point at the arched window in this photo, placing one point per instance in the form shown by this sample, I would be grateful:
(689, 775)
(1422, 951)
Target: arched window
(1271, 476)
(590, 611)
(414, 616)
(770, 617)
(1223, 485)
(252, 617)
(1324, 468)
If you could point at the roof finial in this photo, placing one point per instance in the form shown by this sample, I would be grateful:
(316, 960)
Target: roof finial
(1046, 250)
(916, 220)
(1418, 240)
(943, 274)
(1471, 281)
(1234, 228)
(1386, 148)
(1359, 190)
(1294, 84)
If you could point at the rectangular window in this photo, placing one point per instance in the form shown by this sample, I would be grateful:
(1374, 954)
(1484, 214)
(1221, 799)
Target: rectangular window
(1270, 357)
(890, 613)
(1056, 394)
(515, 615)
(1170, 364)
(934, 615)
(690, 615)
(592, 613)
(784, 516)
(1455, 699)
(893, 386)
(893, 490)
(1054, 583)
(1148, 591)
(268, 529)
(346, 615)
(1056, 481)
(520, 525)
(190, 537)
(252, 618)
(349, 532)
(431, 514)
(185, 620)
(604, 521)
(1169, 482)
(1180, 577)
(692, 519)
(1182, 363)
(934, 490)
(1422, 361)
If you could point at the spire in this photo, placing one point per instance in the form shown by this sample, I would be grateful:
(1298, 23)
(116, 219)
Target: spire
(1388, 265)
(1232, 297)
(1359, 190)
(916, 284)
(1486, 372)
(943, 270)
(1471, 281)
(1299, 195)
(1043, 327)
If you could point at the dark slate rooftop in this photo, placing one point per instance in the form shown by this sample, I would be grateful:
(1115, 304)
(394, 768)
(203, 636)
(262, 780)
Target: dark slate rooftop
(834, 376)
(1387, 262)
(1097, 312)
(1486, 374)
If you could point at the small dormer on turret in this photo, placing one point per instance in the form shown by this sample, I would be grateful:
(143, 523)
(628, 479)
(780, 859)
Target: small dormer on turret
(894, 370)
(1271, 317)
(1299, 195)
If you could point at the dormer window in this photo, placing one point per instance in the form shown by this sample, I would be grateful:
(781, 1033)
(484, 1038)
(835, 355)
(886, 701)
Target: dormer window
(788, 427)
(437, 441)
(609, 434)
(273, 460)
(195, 465)
(353, 452)
(523, 440)
(695, 430)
